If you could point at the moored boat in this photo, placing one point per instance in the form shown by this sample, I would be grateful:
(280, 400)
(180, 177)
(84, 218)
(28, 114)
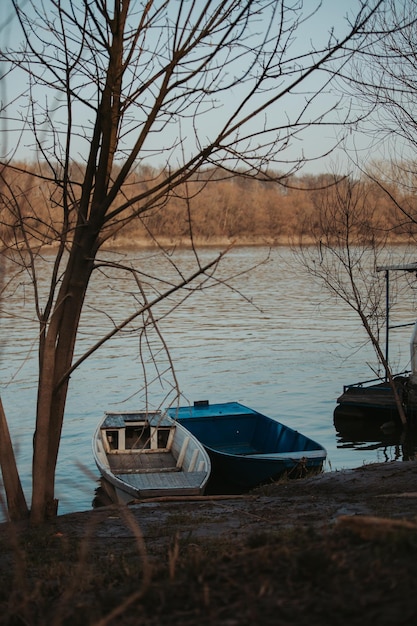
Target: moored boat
(387, 403)
(372, 404)
(146, 454)
(247, 448)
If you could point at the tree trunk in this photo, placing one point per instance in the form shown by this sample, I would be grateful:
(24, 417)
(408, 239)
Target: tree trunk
(56, 360)
(16, 502)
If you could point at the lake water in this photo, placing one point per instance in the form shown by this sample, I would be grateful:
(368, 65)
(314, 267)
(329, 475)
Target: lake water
(277, 343)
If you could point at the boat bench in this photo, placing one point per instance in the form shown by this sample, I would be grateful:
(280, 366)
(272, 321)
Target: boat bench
(292, 455)
(150, 481)
(241, 449)
(145, 470)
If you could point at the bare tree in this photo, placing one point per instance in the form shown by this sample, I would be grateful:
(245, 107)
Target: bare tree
(349, 244)
(117, 84)
(382, 81)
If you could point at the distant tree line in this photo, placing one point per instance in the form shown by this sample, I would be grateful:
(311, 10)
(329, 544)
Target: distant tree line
(210, 208)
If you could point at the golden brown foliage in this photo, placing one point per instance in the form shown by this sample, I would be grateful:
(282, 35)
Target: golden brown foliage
(210, 209)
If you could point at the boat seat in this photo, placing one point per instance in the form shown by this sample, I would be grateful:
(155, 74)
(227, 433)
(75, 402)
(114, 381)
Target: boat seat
(241, 449)
(147, 470)
(175, 483)
(293, 455)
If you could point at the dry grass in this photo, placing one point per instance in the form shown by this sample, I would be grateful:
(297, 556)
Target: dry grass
(272, 558)
(284, 576)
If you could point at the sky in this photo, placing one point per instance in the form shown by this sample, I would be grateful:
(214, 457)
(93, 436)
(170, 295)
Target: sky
(312, 143)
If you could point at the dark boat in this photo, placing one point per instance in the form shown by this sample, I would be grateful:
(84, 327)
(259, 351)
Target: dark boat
(370, 406)
(247, 448)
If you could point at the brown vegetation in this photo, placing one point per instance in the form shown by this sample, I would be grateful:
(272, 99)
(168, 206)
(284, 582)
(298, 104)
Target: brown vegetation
(210, 208)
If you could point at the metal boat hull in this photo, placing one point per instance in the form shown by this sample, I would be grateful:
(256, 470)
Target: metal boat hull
(247, 448)
(147, 455)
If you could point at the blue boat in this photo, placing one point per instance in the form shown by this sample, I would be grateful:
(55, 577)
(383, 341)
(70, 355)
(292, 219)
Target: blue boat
(247, 448)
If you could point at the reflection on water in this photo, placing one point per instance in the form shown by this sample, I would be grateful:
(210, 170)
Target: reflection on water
(396, 446)
(376, 427)
(286, 350)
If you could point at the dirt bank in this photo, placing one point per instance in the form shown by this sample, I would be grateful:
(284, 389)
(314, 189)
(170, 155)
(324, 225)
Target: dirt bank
(339, 546)
(387, 489)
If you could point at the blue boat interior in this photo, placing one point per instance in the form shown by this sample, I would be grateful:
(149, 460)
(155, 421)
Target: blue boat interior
(240, 430)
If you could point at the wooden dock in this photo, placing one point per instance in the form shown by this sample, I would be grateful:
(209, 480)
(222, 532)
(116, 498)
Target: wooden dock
(378, 396)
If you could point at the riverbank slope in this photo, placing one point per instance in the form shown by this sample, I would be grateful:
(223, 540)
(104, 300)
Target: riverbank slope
(337, 546)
